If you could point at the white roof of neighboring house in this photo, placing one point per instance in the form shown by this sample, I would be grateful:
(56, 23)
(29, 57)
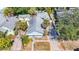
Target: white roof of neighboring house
(7, 25)
(4, 29)
(10, 32)
(2, 19)
(10, 23)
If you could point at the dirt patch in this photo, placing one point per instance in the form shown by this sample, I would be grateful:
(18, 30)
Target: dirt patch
(69, 45)
(42, 46)
(28, 47)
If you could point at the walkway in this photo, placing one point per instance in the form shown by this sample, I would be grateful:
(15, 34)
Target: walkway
(55, 45)
(17, 45)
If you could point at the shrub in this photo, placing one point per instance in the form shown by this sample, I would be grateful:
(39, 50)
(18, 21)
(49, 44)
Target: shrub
(32, 11)
(68, 25)
(45, 24)
(15, 10)
(8, 11)
(5, 43)
(1, 34)
(26, 39)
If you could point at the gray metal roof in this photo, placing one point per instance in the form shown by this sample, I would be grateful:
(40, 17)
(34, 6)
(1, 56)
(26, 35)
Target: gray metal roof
(2, 19)
(35, 25)
(10, 23)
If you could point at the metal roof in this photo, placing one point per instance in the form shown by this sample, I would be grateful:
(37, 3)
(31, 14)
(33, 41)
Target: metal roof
(35, 26)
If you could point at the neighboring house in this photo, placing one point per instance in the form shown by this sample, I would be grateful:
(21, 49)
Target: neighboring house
(2, 19)
(7, 25)
(10, 23)
(4, 29)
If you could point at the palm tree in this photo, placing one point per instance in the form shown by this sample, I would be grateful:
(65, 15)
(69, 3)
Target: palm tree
(32, 11)
(49, 10)
(8, 12)
(51, 13)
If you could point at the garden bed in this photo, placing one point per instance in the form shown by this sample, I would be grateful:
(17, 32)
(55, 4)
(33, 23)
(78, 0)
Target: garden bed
(42, 46)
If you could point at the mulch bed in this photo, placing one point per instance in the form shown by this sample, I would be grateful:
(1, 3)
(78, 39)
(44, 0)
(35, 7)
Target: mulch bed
(42, 46)
(28, 47)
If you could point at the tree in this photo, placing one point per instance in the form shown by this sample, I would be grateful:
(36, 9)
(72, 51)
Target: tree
(8, 11)
(68, 25)
(25, 39)
(50, 11)
(40, 9)
(15, 11)
(5, 43)
(44, 25)
(32, 11)
(1, 34)
(21, 25)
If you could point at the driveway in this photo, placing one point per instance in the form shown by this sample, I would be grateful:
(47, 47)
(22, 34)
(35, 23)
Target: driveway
(17, 45)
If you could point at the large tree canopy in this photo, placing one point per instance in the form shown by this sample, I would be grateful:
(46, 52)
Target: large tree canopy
(68, 25)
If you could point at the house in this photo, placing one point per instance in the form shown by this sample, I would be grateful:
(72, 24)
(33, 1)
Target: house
(7, 25)
(2, 19)
(10, 23)
(35, 28)
(4, 29)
